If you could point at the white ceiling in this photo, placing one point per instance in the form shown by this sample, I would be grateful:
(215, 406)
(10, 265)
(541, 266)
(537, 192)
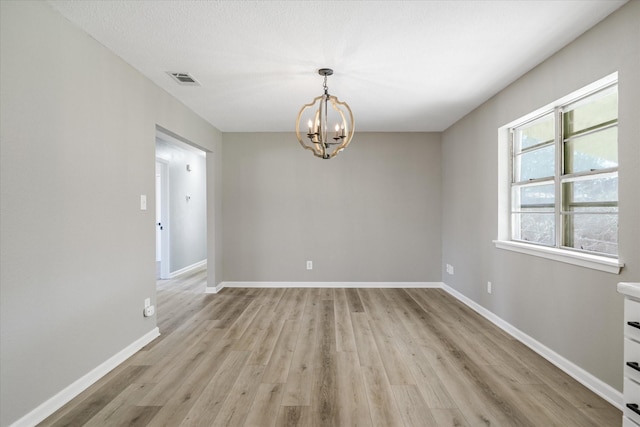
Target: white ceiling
(401, 65)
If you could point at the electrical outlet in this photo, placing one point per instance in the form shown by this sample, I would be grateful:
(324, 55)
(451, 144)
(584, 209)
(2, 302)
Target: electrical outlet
(309, 265)
(149, 311)
(449, 269)
(489, 289)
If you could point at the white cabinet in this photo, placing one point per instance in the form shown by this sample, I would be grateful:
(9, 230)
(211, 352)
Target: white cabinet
(631, 391)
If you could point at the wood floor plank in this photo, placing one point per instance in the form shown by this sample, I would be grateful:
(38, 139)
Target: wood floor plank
(211, 311)
(183, 312)
(133, 416)
(118, 411)
(254, 330)
(353, 406)
(185, 335)
(291, 305)
(294, 416)
(172, 377)
(271, 297)
(325, 333)
(280, 360)
(355, 304)
(345, 341)
(413, 408)
(242, 322)
(184, 397)
(330, 357)
(449, 418)
(433, 391)
(324, 404)
(209, 403)
(229, 314)
(326, 294)
(300, 379)
(233, 411)
(172, 368)
(365, 342)
(323, 396)
(382, 403)
(266, 343)
(266, 405)
(386, 336)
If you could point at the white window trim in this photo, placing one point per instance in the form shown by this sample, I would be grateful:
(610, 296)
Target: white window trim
(595, 262)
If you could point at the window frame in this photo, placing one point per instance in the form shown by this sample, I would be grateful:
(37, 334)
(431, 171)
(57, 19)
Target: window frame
(600, 261)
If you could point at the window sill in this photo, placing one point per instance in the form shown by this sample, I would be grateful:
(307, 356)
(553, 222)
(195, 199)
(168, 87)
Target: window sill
(595, 262)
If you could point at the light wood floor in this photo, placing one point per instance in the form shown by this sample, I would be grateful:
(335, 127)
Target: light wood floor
(330, 357)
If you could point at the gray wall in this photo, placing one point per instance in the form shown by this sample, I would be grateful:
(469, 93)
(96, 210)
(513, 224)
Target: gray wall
(77, 255)
(574, 311)
(187, 222)
(370, 214)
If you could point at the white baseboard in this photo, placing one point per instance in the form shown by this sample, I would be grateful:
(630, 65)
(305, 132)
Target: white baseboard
(328, 285)
(188, 268)
(60, 399)
(213, 289)
(594, 384)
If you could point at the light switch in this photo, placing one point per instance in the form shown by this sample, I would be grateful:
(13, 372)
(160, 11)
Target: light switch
(143, 202)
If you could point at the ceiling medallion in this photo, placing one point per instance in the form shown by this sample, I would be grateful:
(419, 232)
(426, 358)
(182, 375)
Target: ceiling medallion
(316, 136)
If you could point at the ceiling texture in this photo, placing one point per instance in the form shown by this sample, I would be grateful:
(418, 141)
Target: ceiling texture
(403, 66)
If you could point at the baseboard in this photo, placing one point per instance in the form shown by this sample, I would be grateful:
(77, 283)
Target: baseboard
(188, 268)
(213, 289)
(56, 402)
(328, 285)
(594, 384)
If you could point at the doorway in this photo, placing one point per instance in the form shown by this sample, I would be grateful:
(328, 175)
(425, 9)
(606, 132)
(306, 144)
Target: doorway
(181, 206)
(162, 219)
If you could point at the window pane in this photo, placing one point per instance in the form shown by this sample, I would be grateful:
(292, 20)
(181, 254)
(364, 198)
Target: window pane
(594, 151)
(535, 227)
(591, 191)
(592, 111)
(534, 133)
(538, 163)
(592, 232)
(541, 197)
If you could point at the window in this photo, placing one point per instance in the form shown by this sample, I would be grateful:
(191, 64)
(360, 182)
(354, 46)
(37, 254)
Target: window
(564, 175)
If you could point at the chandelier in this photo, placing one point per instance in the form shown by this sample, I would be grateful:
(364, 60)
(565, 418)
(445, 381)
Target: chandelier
(316, 136)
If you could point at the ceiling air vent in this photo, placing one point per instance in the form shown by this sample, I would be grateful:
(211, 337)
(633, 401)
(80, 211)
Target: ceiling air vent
(184, 79)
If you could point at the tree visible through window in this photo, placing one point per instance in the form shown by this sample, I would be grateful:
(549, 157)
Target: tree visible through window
(564, 176)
